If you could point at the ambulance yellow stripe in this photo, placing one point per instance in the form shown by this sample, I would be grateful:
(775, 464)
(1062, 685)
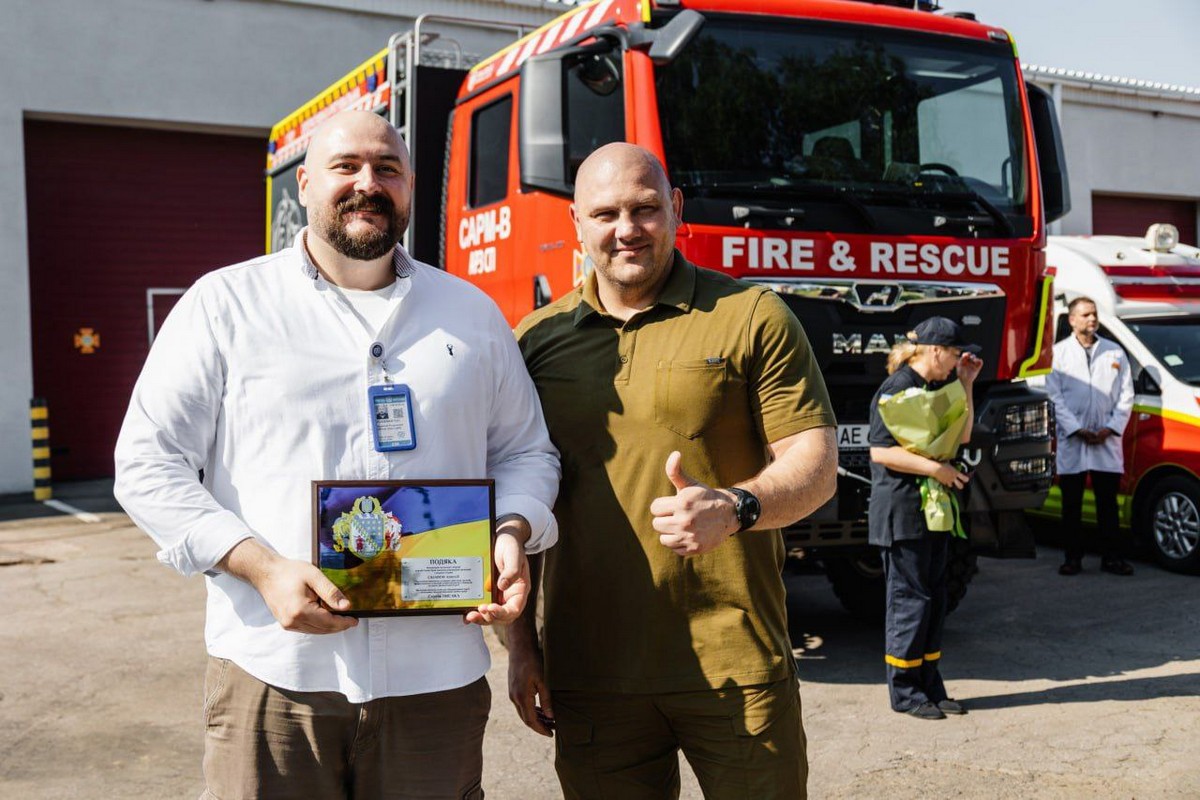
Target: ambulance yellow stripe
(1167, 413)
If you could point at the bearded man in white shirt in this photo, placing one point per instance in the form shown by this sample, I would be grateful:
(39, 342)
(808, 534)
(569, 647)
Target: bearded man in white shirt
(259, 378)
(1092, 390)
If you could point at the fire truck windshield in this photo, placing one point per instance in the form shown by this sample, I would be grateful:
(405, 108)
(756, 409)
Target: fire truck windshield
(856, 128)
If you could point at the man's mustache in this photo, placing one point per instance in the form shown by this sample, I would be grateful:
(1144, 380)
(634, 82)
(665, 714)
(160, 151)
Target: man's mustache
(377, 204)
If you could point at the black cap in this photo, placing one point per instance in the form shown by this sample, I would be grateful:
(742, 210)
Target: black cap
(943, 332)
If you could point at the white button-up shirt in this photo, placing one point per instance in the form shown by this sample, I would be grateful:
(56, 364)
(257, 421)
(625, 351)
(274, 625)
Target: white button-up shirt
(259, 378)
(1090, 394)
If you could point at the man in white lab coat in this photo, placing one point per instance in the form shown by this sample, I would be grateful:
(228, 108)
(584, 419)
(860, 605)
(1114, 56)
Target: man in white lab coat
(1092, 390)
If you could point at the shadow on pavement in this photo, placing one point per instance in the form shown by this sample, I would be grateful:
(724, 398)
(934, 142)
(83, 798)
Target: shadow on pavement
(95, 497)
(1133, 689)
(1022, 621)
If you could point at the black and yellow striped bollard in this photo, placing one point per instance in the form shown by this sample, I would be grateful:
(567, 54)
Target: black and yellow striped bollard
(39, 416)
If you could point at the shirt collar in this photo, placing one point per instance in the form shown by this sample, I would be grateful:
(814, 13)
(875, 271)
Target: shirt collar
(402, 262)
(678, 292)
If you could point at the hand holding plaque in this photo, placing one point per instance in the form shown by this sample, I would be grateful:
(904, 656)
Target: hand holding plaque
(513, 580)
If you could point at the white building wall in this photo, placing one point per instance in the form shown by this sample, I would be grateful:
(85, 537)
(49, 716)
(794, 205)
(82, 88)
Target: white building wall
(228, 65)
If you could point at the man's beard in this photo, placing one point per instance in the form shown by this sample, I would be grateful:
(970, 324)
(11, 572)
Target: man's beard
(367, 245)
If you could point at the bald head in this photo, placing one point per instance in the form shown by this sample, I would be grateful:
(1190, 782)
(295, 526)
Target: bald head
(624, 159)
(334, 134)
(356, 182)
(626, 214)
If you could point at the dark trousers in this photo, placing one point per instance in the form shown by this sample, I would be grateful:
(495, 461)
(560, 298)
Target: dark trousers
(1104, 487)
(916, 614)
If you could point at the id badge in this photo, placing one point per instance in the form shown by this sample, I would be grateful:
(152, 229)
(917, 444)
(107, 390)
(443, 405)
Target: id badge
(391, 417)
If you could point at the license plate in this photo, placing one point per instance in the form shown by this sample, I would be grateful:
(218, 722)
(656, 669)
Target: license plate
(852, 437)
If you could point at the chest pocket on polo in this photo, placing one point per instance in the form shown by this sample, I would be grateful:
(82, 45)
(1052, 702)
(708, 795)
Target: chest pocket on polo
(690, 395)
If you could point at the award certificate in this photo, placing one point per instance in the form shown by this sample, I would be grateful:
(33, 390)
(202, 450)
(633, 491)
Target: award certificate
(407, 547)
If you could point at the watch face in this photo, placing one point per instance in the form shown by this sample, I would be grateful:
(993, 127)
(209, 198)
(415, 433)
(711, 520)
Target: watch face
(753, 510)
(748, 508)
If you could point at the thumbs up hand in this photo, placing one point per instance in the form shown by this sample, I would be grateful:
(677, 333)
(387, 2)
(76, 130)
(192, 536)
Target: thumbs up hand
(697, 518)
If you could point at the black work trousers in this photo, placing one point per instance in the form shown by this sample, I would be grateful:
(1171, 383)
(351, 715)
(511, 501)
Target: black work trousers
(916, 614)
(1104, 487)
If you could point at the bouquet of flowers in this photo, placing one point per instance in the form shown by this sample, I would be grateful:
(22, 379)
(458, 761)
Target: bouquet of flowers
(930, 423)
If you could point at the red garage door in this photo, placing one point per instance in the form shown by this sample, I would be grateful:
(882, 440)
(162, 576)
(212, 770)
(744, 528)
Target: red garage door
(112, 214)
(1131, 216)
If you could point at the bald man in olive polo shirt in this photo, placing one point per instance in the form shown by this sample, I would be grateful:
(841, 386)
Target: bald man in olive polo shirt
(693, 423)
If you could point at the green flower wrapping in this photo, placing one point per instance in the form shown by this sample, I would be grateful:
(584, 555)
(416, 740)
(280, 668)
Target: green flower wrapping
(930, 424)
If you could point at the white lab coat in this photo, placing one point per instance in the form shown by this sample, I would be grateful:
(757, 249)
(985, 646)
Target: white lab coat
(1090, 397)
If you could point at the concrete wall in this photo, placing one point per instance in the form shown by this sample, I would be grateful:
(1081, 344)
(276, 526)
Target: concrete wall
(218, 65)
(1127, 144)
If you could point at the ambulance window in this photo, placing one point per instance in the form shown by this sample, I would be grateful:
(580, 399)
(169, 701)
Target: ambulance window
(595, 107)
(490, 127)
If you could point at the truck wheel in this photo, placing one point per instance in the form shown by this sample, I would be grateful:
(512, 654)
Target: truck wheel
(858, 583)
(1171, 519)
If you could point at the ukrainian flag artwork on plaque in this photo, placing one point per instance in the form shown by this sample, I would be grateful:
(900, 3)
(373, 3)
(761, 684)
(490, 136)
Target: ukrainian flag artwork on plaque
(406, 547)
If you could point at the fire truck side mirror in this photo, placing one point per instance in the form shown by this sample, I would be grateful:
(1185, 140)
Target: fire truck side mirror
(543, 135)
(1052, 162)
(670, 39)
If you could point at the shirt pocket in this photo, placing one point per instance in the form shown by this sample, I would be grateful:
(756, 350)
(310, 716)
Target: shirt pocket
(690, 395)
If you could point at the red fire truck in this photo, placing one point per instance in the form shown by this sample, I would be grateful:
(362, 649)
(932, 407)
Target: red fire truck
(873, 164)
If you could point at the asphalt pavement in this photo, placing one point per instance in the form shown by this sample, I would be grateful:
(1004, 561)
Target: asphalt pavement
(1082, 687)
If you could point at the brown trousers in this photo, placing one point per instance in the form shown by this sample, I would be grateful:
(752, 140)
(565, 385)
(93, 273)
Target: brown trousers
(272, 743)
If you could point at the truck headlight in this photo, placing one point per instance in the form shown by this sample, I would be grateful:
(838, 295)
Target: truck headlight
(1027, 469)
(1025, 421)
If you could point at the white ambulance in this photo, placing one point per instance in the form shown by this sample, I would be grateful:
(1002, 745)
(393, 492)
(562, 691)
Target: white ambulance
(1147, 294)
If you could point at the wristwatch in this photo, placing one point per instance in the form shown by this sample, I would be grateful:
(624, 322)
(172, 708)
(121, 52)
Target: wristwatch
(747, 508)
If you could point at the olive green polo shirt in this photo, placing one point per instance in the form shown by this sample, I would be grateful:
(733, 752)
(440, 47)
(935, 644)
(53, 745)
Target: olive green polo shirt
(716, 369)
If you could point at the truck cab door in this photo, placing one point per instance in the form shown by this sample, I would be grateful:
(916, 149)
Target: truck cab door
(480, 197)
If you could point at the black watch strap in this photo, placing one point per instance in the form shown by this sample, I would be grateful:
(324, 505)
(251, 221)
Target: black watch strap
(747, 508)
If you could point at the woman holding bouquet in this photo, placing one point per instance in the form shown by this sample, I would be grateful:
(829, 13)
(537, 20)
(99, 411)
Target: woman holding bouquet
(916, 419)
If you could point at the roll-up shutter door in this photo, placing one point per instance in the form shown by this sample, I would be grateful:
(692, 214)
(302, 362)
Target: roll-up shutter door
(1116, 215)
(113, 213)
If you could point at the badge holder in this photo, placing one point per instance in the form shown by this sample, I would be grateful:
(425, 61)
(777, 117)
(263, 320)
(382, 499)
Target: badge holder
(391, 417)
